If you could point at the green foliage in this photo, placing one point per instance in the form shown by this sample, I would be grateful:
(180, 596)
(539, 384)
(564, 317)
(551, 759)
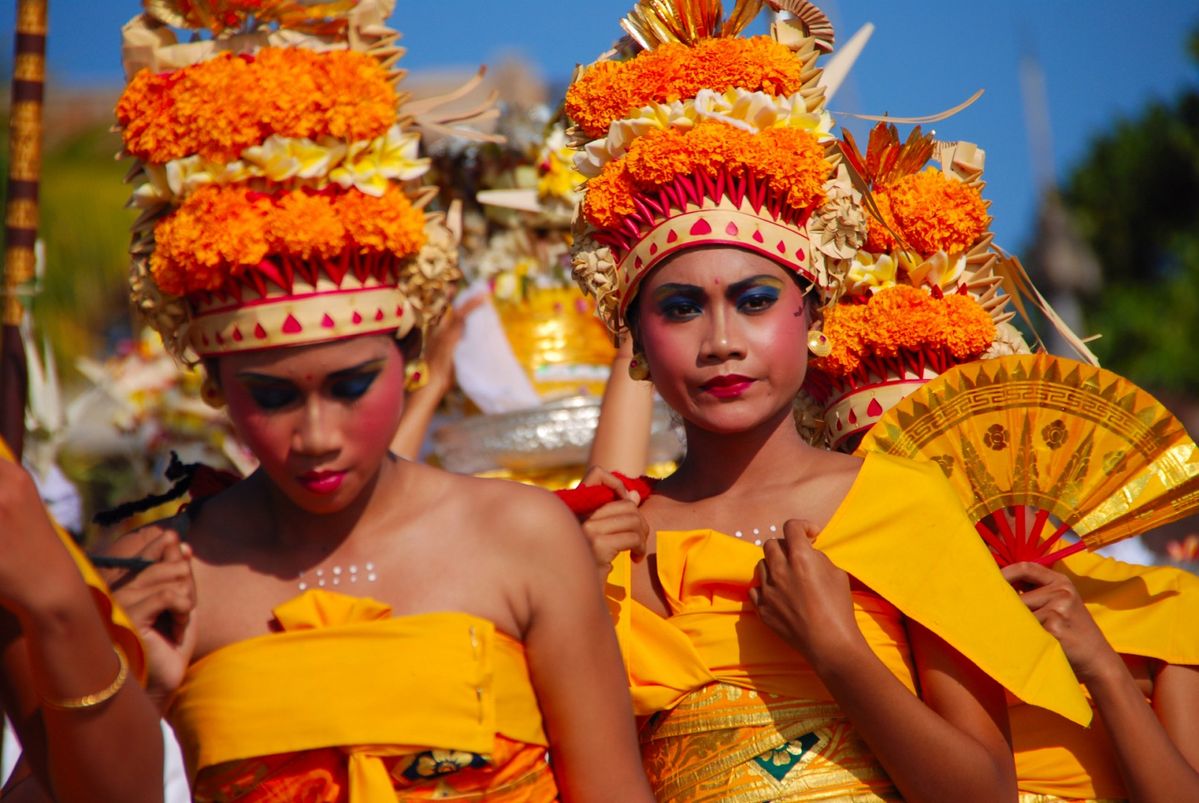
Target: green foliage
(1135, 198)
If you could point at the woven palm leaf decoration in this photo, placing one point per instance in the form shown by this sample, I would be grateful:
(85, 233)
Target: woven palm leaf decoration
(1038, 446)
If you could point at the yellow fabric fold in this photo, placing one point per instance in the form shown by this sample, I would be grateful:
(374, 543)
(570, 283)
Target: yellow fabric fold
(344, 673)
(1147, 611)
(900, 531)
(903, 532)
(120, 628)
(1143, 610)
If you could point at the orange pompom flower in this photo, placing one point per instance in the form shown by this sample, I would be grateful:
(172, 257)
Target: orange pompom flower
(290, 92)
(221, 231)
(610, 90)
(789, 160)
(931, 212)
(903, 319)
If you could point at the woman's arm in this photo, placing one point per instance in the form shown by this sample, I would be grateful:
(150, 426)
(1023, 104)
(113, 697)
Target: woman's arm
(951, 745)
(626, 415)
(575, 664)
(421, 403)
(89, 731)
(1157, 747)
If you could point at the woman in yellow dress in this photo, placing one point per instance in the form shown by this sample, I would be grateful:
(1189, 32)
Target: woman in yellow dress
(1125, 629)
(797, 624)
(341, 625)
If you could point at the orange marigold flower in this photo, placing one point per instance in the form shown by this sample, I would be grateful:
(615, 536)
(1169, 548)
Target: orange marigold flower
(794, 161)
(609, 90)
(222, 230)
(307, 226)
(222, 106)
(845, 326)
(390, 223)
(936, 213)
(609, 198)
(217, 227)
(790, 160)
(969, 329)
(903, 319)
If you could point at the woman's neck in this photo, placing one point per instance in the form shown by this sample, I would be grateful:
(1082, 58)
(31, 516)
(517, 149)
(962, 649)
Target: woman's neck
(297, 529)
(717, 463)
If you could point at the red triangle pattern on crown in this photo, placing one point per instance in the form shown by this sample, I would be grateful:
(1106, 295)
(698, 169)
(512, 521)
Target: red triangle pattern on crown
(697, 210)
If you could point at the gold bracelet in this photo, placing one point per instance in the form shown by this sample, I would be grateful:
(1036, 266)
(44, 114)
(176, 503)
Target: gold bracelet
(93, 700)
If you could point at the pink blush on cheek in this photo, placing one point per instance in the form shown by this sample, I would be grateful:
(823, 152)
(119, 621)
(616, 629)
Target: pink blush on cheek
(377, 415)
(265, 435)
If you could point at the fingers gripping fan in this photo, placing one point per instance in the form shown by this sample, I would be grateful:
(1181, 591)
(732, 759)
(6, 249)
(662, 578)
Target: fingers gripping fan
(1037, 446)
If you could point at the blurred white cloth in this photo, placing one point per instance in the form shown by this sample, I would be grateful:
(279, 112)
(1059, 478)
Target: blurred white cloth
(486, 369)
(1131, 550)
(60, 496)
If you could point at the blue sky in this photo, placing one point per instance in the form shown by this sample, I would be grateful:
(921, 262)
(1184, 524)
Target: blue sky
(1101, 60)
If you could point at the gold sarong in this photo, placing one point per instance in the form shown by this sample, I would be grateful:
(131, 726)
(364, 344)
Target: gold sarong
(725, 743)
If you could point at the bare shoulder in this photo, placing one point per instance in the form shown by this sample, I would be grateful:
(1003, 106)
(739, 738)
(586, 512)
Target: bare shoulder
(831, 472)
(512, 510)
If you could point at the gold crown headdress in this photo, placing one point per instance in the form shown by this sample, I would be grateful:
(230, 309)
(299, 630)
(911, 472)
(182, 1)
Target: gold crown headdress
(923, 291)
(704, 138)
(277, 177)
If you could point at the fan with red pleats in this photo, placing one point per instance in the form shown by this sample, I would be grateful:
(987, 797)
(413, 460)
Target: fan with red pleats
(1039, 447)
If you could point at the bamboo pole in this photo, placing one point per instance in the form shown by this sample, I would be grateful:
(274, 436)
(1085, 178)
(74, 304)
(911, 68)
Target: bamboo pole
(21, 211)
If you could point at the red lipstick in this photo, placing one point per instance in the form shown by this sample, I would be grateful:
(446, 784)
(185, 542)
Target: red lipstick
(728, 386)
(322, 482)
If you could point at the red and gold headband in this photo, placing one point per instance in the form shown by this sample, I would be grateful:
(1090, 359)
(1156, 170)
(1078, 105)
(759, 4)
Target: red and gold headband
(706, 138)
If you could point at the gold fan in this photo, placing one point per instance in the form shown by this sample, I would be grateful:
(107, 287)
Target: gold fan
(1029, 437)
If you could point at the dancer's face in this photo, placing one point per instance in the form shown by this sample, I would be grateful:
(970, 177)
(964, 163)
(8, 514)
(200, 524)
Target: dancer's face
(319, 418)
(724, 332)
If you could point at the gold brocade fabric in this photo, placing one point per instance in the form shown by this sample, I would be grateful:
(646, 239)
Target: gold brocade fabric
(725, 743)
(349, 704)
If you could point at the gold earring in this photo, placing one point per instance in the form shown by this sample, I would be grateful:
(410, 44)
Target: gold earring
(819, 344)
(211, 392)
(638, 367)
(417, 375)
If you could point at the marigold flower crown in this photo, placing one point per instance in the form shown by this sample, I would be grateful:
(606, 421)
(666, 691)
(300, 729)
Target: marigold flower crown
(705, 138)
(276, 177)
(922, 293)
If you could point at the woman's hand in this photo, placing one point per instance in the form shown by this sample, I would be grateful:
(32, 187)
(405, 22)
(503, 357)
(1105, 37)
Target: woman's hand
(805, 599)
(443, 340)
(159, 600)
(617, 526)
(1056, 603)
